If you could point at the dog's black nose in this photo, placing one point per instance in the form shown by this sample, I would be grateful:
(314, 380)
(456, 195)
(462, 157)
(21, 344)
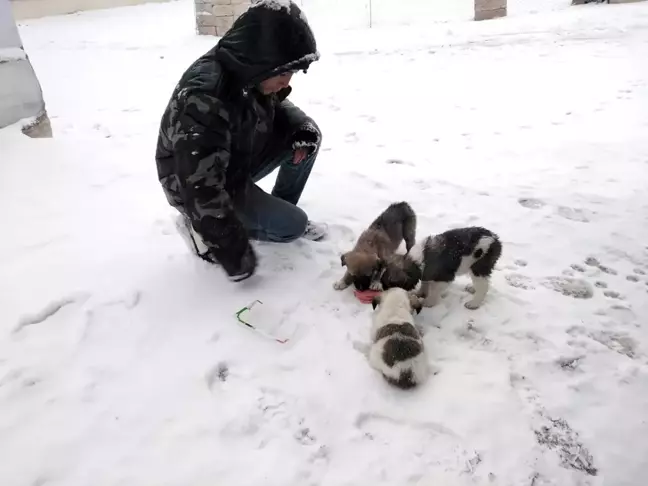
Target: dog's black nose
(362, 283)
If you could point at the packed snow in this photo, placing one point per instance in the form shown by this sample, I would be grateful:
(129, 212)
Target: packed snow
(273, 4)
(8, 54)
(121, 358)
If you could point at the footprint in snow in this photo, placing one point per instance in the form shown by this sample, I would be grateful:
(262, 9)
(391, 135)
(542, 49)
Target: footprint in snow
(276, 407)
(608, 270)
(574, 214)
(594, 262)
(304, 436)
(398, 162)
(570, 287)
(519, 281)
(558, 436)
(613, 294)
(351, 137)
(569, 363)
(531, 203)
(219, 372)
(618, 342)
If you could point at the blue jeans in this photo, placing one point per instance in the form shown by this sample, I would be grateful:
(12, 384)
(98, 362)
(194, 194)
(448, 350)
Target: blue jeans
(275, 217)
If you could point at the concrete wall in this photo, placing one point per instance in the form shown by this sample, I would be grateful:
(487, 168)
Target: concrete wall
(20, 92)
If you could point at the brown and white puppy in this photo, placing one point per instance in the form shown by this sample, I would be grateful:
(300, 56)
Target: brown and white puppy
(397, 349)
(365, 263)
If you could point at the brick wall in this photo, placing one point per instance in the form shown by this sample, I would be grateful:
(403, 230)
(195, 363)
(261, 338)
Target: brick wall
(215, 17)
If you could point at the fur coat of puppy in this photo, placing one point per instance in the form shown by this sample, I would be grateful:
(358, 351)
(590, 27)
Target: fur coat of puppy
(473, 250)
(397, 347)
(401, 271)
(365, 263)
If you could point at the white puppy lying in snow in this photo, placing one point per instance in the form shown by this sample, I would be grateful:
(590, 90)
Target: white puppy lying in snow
(397, 346)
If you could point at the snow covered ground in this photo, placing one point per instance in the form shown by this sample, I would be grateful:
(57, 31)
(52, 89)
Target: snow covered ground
(121, 362)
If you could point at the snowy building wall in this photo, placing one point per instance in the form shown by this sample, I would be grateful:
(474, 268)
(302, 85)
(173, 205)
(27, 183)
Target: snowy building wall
(214, 17)
(350, 14)
(20, 92)
(28, 9)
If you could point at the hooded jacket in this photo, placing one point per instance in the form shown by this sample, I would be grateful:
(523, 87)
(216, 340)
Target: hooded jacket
(217, 122)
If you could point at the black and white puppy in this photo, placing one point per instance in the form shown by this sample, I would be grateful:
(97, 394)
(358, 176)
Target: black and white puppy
(444, 257)
(397, 347)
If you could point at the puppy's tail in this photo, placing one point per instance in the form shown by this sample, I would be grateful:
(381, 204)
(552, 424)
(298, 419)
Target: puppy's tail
(488, 244)
(405, 381)
(486, 253)
(400, 352)
(408, 218)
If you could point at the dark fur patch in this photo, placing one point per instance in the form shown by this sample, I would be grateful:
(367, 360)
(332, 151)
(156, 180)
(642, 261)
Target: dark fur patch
(363, 282)
(401, 271)
(442, 254)
(399, 348)
(405, 380)
(399, 222)
(405, 329)
(375, 301)
(486, 264)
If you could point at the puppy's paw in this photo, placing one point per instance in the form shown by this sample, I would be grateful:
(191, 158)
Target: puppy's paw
(414, 293)
(340, 285)
(376, 286)
(473, 304)
(470, 289)
(428, 302)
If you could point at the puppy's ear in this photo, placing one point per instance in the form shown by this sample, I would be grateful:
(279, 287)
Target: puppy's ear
(415, 303)
(375, 302)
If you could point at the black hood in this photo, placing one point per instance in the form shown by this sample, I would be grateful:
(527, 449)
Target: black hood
(271, 37)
